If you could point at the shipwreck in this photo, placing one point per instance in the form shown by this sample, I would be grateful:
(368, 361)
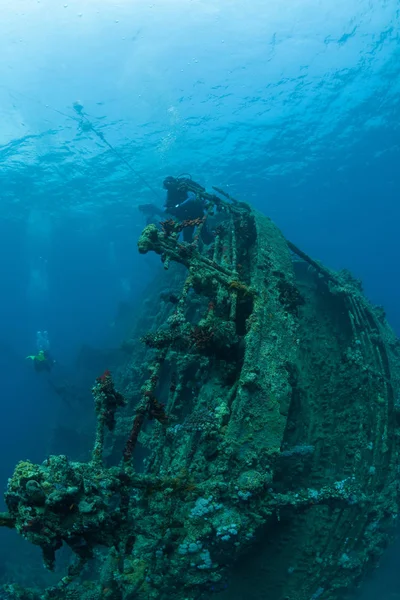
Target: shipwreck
(248, 445)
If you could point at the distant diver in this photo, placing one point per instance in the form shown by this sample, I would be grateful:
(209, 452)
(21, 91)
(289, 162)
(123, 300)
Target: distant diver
(42, 361)
(184, 202)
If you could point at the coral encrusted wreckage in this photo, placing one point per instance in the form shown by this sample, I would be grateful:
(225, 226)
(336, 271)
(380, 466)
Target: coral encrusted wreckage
(253, 441)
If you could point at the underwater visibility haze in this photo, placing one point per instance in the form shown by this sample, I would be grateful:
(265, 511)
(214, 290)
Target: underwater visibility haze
(222, 422)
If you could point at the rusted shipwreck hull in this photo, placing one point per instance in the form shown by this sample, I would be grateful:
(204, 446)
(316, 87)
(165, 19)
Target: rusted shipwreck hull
(262, 426)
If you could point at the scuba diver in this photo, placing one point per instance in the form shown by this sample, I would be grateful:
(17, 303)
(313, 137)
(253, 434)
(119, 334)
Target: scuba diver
(42, 361)
(184, 202)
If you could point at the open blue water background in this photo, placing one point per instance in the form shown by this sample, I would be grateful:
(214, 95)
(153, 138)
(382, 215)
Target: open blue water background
(293, 106)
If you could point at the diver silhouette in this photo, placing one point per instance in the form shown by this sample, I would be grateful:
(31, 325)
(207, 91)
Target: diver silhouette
(184, 202)
(42, 361)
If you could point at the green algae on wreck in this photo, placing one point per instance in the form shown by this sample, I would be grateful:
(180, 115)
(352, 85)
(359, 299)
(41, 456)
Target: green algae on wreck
(256, 424)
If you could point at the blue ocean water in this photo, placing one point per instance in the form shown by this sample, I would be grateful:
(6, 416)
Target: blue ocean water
(293, 107)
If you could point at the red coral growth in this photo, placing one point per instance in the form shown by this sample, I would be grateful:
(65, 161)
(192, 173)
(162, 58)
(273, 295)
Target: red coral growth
(157, 411)
(150, 408)
(202, 337)
(108, 400)
(103, 378)
(169, 226)
(134, 434)
(191, 223)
